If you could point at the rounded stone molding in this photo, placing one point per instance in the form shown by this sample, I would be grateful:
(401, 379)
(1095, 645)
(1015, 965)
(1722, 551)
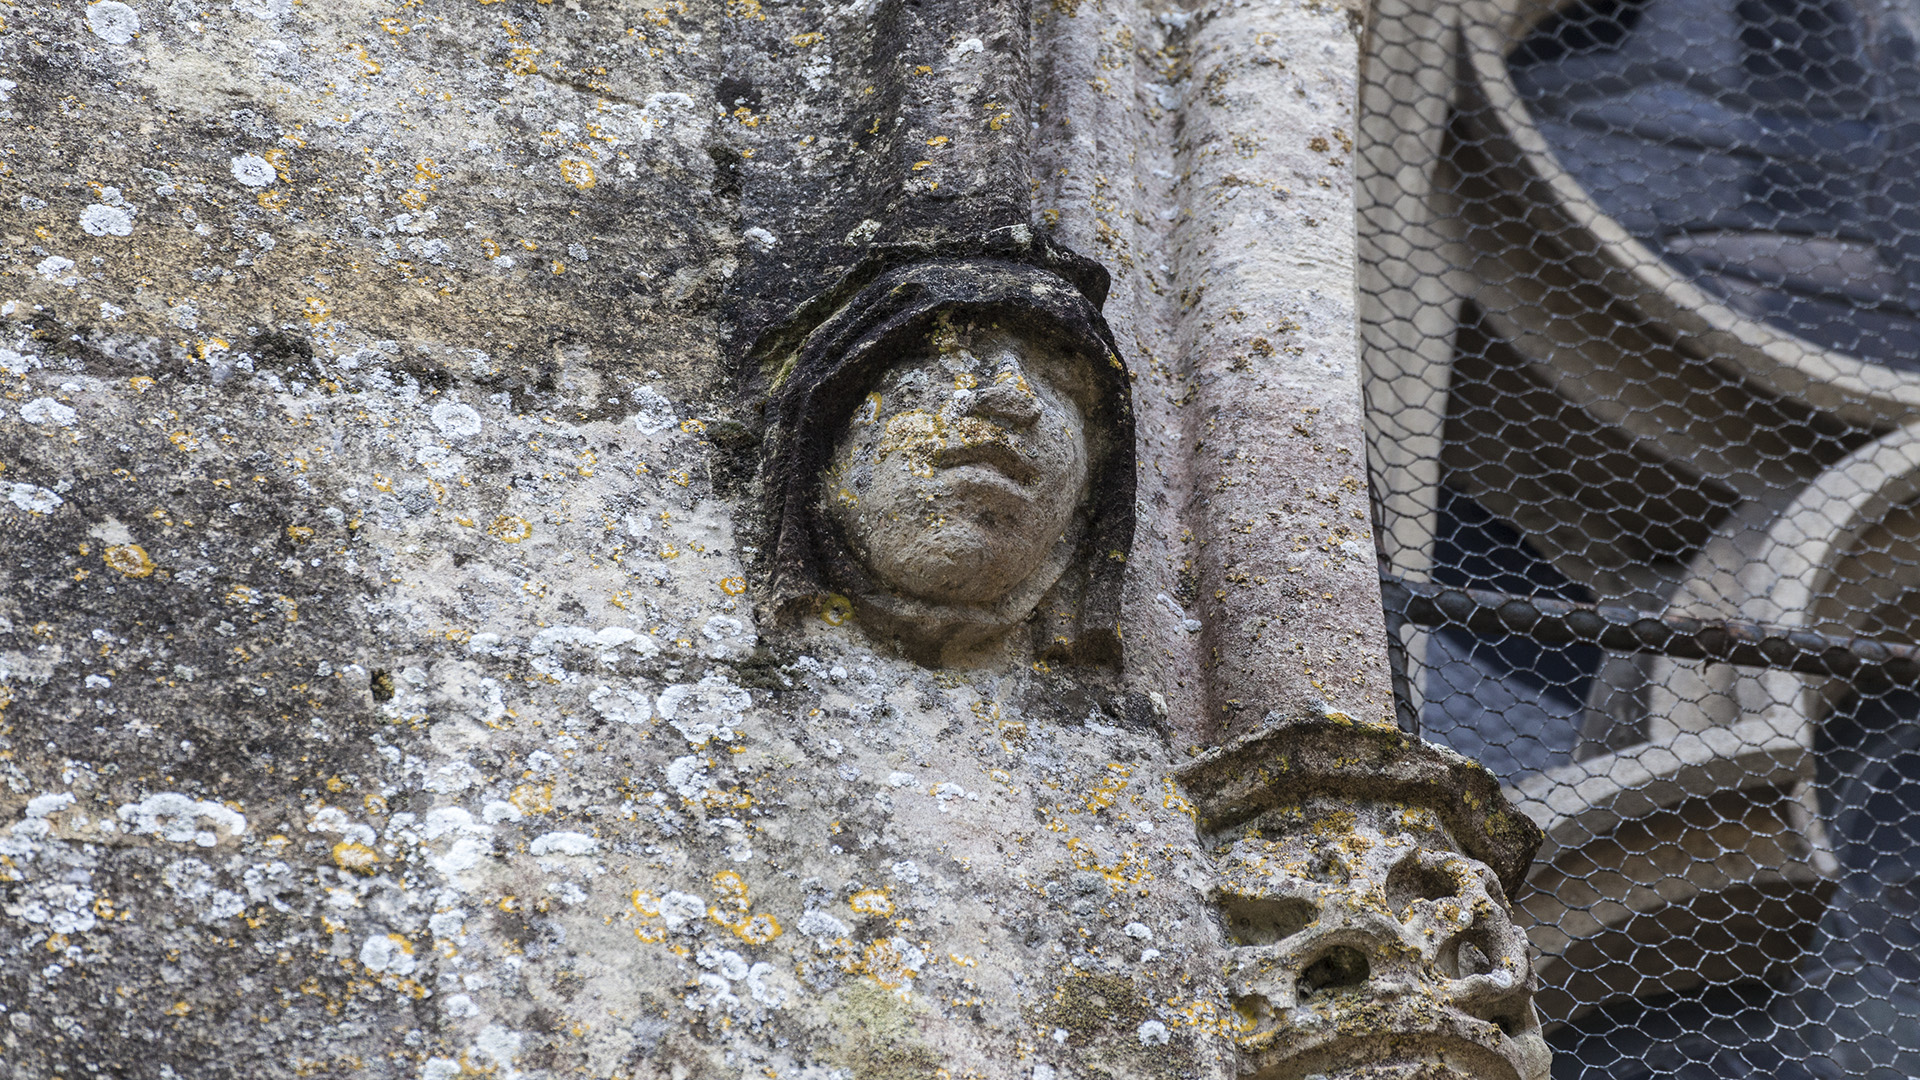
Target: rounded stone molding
(1772, 359)
(1822, 568)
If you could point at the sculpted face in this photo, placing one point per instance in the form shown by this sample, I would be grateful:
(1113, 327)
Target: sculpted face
(959, 475)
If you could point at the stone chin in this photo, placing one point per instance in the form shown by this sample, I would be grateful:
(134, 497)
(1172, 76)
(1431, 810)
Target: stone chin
(928, 626)
(966, 562)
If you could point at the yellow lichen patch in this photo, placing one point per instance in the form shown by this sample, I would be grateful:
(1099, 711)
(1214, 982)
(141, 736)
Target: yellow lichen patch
(732, 889)
(275, 200)
(510, 529)
(184, 441)
(356, 857)
(1129, 869)
(532, 798)
(1109, 789)
(1173, 800)
(1013, 734)
(128, 559)
(578, 172)
(299, 534)
(368, 64)
(758, 930)
(871, 902)
(884, 963)
(811, 37)
(733, 586)
(647, 906)
(179, 1008)
(731, 799)
(836, 609)
(141, 383)
(1419, 819)
(921, 435)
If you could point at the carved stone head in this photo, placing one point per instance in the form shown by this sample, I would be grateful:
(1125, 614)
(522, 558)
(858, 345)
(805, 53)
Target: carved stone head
(949, 448)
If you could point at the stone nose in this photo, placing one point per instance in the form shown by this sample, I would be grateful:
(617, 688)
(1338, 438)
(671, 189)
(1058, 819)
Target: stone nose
(1007, 402)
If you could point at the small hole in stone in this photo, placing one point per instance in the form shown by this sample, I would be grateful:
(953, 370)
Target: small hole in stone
(1259, 920)
(381, 683)
(1337, 969)
(1472, 959)
(1253, 1009)
(1510, 1023)
(1465, 955)
(1410, 880)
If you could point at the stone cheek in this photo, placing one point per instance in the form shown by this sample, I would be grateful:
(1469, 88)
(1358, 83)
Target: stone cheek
(1361, 942)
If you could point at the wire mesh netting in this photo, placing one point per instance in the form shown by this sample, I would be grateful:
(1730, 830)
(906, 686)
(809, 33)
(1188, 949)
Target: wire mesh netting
(1641, 317)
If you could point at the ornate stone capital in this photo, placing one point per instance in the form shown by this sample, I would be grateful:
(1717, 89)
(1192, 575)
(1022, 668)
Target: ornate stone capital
(1363, 881)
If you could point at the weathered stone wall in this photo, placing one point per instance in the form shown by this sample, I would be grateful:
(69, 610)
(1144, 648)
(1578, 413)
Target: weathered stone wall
(382, 690)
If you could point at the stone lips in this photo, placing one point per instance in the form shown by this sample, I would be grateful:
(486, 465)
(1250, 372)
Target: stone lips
(1362, 878)
(809, 375)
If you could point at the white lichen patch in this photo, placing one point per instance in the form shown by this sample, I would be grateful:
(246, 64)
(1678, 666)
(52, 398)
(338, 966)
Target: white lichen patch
(455, 420)
(99, 219)
(252, 170)
(182, 819)
(33, 498)
(46, 410)
(112, 21)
